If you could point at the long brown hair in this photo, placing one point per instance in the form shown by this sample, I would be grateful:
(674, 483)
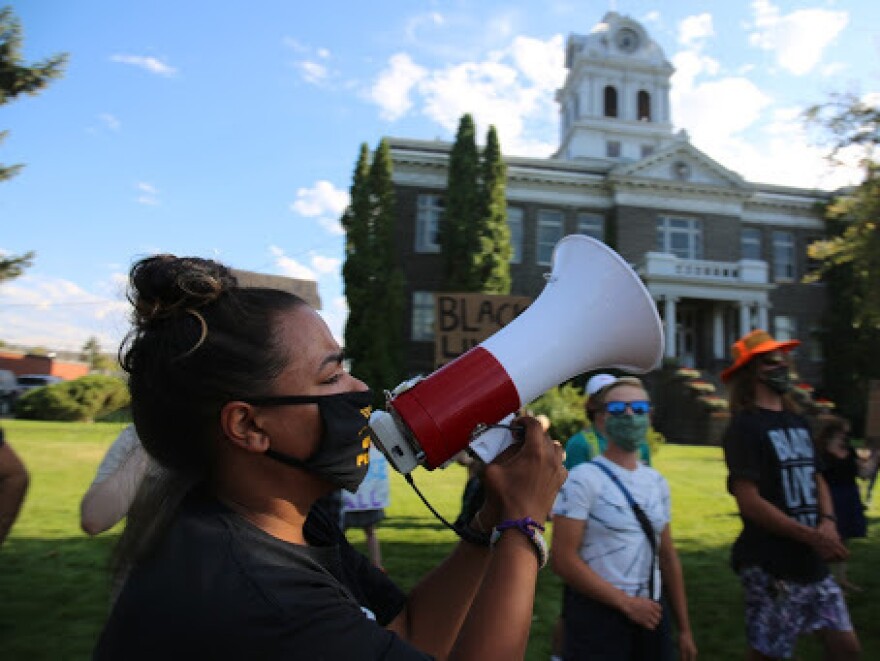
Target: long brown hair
(742, 386)
(827, 427)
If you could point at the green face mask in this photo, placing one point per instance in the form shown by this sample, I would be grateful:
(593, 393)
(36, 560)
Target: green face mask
(626, 431)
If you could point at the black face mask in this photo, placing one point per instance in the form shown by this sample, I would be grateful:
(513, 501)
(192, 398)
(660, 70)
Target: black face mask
(777, 379)
(343, 455)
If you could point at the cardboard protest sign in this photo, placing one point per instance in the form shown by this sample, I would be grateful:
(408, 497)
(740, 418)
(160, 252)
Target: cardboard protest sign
(462, 321)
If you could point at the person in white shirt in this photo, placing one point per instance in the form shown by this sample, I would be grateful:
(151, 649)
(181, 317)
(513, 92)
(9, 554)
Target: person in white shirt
(619, 566)
(112, 491)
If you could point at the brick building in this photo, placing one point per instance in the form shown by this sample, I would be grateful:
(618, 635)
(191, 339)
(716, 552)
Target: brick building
(720, 255)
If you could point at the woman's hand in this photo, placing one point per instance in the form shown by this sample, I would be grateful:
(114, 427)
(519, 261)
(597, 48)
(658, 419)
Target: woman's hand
(525, 478)
(644, 612)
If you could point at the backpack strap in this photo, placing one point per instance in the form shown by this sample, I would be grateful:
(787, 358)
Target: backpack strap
(641, 517)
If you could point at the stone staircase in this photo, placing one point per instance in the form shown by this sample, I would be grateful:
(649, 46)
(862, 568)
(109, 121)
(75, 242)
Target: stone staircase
(690, 406)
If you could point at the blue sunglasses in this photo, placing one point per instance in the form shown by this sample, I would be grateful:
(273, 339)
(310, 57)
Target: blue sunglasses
(640, 407)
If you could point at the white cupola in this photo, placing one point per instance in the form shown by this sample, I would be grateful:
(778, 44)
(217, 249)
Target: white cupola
(615, 101)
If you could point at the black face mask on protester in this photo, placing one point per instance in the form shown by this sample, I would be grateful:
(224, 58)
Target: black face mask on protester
(343, 455)
(777, 379)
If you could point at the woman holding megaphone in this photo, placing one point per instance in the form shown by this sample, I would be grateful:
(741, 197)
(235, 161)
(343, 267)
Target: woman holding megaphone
(241, 395)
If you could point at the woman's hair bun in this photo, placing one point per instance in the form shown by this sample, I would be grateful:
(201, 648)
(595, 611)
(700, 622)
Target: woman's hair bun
(163, 285)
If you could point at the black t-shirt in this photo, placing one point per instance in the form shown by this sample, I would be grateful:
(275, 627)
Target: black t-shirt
(840, 470)
(220, 588)
(774, 449)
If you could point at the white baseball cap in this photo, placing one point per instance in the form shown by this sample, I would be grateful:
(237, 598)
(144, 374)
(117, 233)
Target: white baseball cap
(599, 381)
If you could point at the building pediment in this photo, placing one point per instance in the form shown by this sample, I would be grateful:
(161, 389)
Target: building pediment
(681, 165)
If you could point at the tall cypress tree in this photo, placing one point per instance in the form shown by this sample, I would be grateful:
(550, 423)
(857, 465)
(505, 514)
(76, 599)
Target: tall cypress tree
(374, 284)
(459, 229)
(388, 283)
(495, 251)
(357, 267)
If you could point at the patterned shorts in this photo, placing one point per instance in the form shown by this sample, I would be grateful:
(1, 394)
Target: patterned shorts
(777, 612)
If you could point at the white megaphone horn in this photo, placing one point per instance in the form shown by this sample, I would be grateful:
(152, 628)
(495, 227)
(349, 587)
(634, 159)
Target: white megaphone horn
(594, 312)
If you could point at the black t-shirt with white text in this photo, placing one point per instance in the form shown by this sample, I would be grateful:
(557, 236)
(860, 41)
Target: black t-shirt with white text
(774, 449)
(218, 587)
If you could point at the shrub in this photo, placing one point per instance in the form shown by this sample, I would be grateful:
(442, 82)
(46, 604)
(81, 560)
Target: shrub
(565, 408)
(83, 399)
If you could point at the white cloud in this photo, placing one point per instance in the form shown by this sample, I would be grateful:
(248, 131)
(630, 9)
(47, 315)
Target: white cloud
(511, 88)
(60, 314)
(147, 63)
(334, 313)
(289, 266)
(149, 194)
(694, 30)
(312, 72)
(326, 265)
(415, 24)
(323, 201)
(719, 108)
(391, 91)
(798, 39)
(652, 18)
(110, 121)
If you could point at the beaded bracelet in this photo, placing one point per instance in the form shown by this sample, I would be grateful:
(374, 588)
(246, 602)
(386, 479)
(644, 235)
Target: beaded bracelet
(531, 529)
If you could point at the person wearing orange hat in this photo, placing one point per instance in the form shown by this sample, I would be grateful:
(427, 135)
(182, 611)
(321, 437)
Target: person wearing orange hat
(789, 530)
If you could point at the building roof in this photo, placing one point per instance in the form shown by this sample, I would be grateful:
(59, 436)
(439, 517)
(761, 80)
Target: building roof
(305, 289)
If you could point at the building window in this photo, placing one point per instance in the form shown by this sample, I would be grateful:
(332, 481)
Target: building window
(647, 150)
(610, 101)
(429, 214)
(682, 237)
(423, 316)
(515, 224)
(750, 243)
(591, 224)
(612, 148)
(784, 328)
(549, 234)
(783, 256)
(644, 106)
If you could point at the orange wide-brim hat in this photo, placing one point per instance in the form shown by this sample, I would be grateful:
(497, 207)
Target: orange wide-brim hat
(754, 344)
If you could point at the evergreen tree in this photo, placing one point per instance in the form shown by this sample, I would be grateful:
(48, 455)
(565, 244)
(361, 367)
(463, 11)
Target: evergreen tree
(357, 268)
(495, 251)
(459, 235)
(17, 77)
(374, 284)
(388, 283)
(13, 266)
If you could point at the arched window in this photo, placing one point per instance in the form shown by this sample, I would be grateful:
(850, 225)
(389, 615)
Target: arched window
(644, 106)
(610, 101)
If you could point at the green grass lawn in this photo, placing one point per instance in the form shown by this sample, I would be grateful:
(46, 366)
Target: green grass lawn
(54, 587)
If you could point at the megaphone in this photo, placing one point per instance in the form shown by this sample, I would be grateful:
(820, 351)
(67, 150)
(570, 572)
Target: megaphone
(594, 312)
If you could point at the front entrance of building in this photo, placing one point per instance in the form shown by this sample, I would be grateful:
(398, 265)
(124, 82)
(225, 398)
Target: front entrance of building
(686, 337)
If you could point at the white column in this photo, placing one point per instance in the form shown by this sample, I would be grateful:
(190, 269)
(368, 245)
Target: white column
(745, 318)
(763, 320)
(669, 317)
(718, 330)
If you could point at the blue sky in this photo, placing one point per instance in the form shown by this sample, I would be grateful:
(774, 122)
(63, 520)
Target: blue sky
(230, 129)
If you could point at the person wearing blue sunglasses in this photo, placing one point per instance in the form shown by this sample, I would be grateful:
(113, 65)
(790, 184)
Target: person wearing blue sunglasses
(612, 544)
